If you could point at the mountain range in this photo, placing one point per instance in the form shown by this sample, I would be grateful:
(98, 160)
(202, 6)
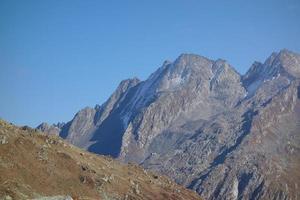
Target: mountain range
(201, 123)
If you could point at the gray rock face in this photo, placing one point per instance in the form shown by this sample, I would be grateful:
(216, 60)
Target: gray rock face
(54, 129)
(201, 123)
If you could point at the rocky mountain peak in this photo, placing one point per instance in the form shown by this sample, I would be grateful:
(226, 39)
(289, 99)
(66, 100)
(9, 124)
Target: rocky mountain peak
(84, 112)
(283, 62)
(43, 125)
(188, 70)
(222, 66)
(253, 73)
(203, 124)
(282, 66)
(50, 129)
(290, 61)
(191, 65)
(188, 59)
(127, 83)
(167, 62)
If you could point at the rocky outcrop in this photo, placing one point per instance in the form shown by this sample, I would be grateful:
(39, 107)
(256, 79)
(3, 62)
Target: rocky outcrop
(54, 129)
(204, 125)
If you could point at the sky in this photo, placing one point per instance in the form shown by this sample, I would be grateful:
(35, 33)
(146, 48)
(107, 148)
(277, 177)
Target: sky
(59, 56)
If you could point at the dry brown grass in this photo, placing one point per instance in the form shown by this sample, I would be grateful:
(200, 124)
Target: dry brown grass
(33, 164)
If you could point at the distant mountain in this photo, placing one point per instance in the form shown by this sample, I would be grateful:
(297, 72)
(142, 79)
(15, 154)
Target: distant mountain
(42, 167)
(200, 122)
(54, 129)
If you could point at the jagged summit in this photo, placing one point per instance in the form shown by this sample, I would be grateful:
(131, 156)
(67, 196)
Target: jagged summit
(285, 60)
(189, 59)
(53, 129)
(290, 62)
(131, 81)
(281, 66)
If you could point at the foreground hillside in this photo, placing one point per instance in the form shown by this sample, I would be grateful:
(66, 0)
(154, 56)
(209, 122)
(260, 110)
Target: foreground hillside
(34, 165)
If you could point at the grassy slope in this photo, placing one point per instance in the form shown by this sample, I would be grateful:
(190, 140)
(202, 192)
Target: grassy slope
(33, 165)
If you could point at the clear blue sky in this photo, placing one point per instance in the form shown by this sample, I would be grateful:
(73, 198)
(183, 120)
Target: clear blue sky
(58, 56)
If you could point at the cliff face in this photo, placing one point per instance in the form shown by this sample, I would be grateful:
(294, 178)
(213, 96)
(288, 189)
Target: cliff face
(206, 126)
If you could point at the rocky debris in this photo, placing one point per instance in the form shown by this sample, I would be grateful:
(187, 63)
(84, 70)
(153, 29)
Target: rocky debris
(108, 179)
(55, 198)
(84, 179)
(177, 190)
(105, 179)
(155, 176)
(51, 141)
(43, 153)
(3, 139)
(86, 168)
(136, 189)
(6, 197)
